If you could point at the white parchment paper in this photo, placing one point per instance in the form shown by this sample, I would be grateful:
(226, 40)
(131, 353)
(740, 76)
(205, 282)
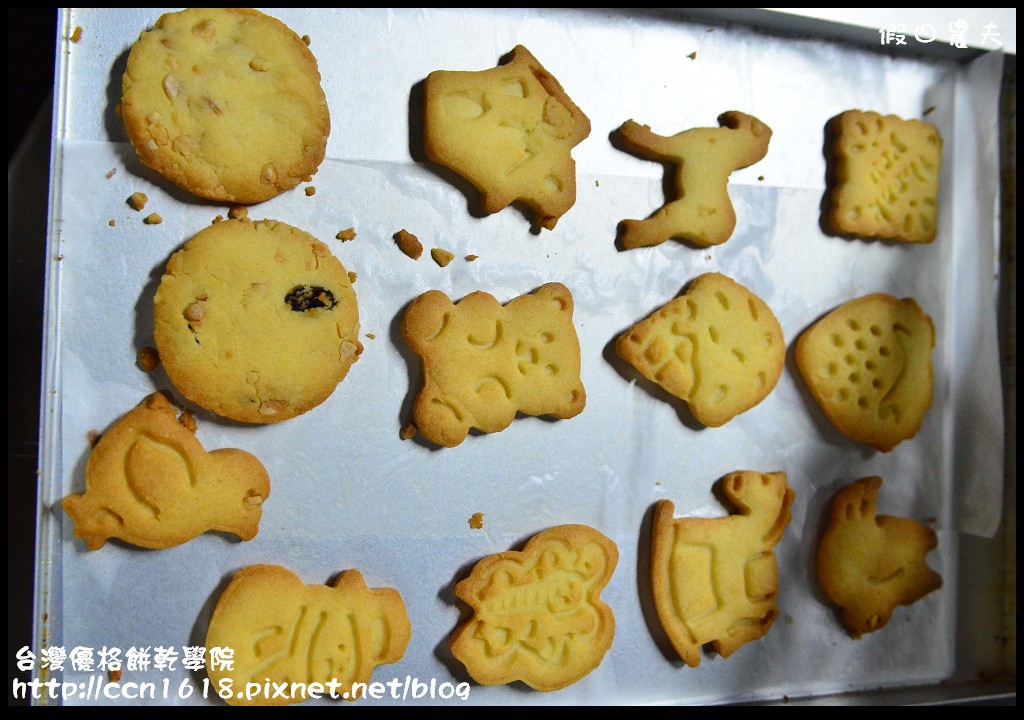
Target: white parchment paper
(348, 492)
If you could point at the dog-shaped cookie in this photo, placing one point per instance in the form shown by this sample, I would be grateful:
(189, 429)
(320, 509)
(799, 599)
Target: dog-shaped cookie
(702, 159)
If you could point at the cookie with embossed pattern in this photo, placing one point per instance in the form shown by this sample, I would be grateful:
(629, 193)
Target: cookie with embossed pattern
(718, 346)
(484, 362)
(150, 483)
(538, 615)
(869, 564)
(225, 103)
(715, 580)
(868, 365)
(288, 636)
(885, 181)
(509, 131)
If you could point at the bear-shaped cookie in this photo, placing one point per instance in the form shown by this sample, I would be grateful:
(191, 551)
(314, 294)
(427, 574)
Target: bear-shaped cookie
(484, 362)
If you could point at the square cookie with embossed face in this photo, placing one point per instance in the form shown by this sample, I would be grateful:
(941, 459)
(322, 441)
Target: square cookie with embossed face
(885, 182)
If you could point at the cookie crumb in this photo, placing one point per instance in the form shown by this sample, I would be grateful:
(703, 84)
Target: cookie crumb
(76, 36)
(188, 421)
(110, 173)
(238, 212)
(409, 244)
(441, 257)
(693, 55)
(153, 219)
(408, 431)
(477, 520)
(93, 437)
(346, 235)
(371, 336)
(114, 675)
(760, 178)
(351, 276)
(148, 358)
(305, 39)
(471, 258)
(138, 200)
(310, 191)
(597, 183)
(112, 222)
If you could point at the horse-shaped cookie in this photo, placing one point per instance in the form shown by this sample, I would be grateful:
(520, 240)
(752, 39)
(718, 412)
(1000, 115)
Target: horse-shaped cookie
(703, 159)
(715, 580)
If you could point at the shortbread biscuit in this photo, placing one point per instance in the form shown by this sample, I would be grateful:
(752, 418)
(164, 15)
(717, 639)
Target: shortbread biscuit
(537, 615)
(150, 483)
(225, 103)
(509, 131)
(884, 181)
(719, 347)
(286, 633)
(702, 160)
(483, 363)
(868, 365)
(256, 321)
(715, 580)
(869, 565)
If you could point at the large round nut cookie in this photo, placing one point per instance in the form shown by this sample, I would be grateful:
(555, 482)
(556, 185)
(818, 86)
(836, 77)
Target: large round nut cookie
(256, 321)
(226, 103)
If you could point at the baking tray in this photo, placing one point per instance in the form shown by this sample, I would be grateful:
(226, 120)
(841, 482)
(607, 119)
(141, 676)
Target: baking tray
(348, 492)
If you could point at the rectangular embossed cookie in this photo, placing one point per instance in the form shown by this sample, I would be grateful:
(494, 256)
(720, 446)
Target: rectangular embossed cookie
(885, 182)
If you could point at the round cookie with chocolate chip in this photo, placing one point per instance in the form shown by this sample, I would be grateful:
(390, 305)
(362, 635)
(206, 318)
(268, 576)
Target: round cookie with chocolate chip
(225, 103)
(256, 321)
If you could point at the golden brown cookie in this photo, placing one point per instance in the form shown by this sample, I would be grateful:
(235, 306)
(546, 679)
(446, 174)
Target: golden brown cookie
(868, 365)
(149, 482)
(510, 132)
(256, 321)
(537, 615)
(293, 636)
(715, 580)
(885, 181)
(869, 565)
(225, 103)
(483, 363)
(702, 160)
(719, 347)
